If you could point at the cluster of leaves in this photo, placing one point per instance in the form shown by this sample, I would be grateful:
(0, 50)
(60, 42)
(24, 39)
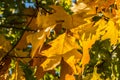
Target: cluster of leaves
(104, 61)
(56, 39)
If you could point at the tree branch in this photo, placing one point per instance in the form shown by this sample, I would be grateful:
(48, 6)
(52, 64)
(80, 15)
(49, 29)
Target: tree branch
(25, 57)
(37, 3)
(115, 49)
(5, 26)
(17, 41)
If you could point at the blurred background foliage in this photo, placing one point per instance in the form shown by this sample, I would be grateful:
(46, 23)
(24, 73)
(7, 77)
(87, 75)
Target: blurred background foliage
(104, 57)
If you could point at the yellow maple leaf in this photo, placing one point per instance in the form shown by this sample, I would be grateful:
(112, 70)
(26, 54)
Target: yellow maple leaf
(87, 35)
(40, 19)
(78, 19)
(112, 32)
(95, 76)
(108, 30)
(86, 44)
(37, 39)
(71, 58)
(62, 47)
(60, 16)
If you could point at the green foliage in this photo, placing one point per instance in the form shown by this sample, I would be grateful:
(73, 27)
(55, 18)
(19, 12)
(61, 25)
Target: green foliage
(29, 73)
(106, 58)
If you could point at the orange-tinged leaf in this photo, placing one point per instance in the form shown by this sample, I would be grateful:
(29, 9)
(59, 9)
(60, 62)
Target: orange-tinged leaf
(104, 3)
(4, 65)
(72, 58)
(66, 72)
(36, 62)
(69, 77)
(39, 72)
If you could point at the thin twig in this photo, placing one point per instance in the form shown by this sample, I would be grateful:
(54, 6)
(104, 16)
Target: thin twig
(45, 10)
(7, 54)
(115, 49)
(13, 27)
(37, 3)
(21, 15)
(26, 57)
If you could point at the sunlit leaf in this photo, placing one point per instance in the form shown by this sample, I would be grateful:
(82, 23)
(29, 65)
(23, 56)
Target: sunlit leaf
(96, 76)
(59, 16)
(111, 32)
(67, 50)
(67, 2)
(37, 39)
